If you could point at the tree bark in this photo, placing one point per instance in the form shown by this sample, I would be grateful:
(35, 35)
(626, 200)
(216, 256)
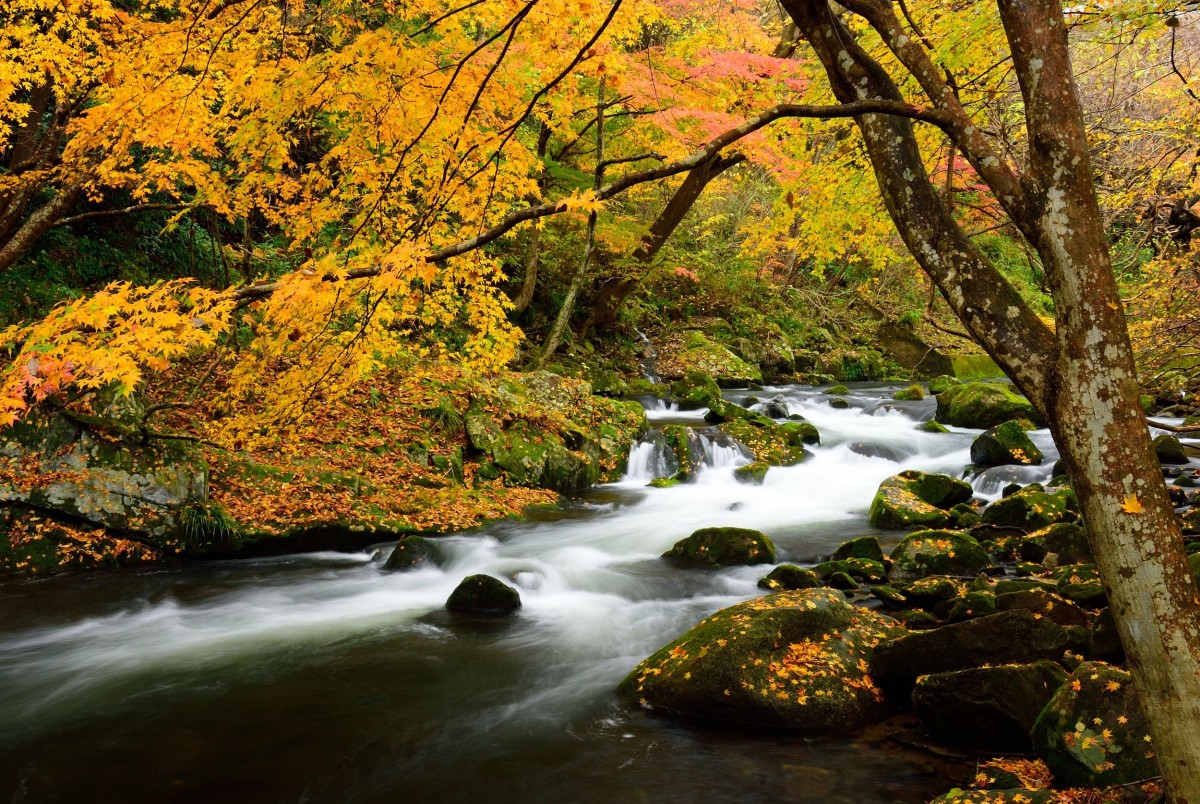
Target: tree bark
(1081, 376)
(618, 288)
(533, 245)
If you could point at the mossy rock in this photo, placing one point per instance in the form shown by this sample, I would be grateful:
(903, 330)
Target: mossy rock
(866, 569)
(800, 434)
(722, 410)
(982, 405)
(942, 382)
(773, 444)
(752, 474)
(484, 595)
(1045, 603)
(916, 499)
(1005, 445)
(700, 354)
(718, 547)
(863, 547)
(1009, 637)
(1031, 509)
(102, 475)
(986, 708)
(684, 443)
(1093, 732)
(789, 577)
(790, 660)
(838, 403)
(1169, 450)
(971, 605)
(931, 427)
(664, 482)
(412, 552)
(932, 591)
(890, 596)
(696, 388)
(1066, 540)
(910, 394)
(838, 390)
(937, 552)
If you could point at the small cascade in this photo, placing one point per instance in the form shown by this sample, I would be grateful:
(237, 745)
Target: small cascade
(649, 357)
(719, 451)
(651, 458)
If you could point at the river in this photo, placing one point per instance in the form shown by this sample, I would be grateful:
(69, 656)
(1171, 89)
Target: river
(321, 678)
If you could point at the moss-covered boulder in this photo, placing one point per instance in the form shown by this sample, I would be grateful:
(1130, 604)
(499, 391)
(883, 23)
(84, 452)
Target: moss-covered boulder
(485, 595)
(986, 708)
(1169, 450)
(982, 405)
(718, 547)
(1045, 604)
(1003, 445)
(772, 444)
(837, 390)
(1093, 732)
(722, 410)
(866, 569)
(752, 474)
(696, 388)
(793, 660)
(863, 547)
(937, 552)
(789, 576)
(1067, 541)
(971, 605)
(1010, 637)
(412, 552)
(915, 499)
(942, 382)
(931, 427)
(95, 470)
(685, 444)
(1031, 509)
(909, 394)
(693, 351)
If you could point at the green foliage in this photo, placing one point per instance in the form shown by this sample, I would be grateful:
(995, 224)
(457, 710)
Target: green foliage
(206, 525)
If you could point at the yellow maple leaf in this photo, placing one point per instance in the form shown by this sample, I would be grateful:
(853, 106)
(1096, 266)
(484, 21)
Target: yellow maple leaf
(581, 202)
(1132, 504)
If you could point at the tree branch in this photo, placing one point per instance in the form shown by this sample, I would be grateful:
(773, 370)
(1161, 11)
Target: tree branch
(109, 213)
(251, 293)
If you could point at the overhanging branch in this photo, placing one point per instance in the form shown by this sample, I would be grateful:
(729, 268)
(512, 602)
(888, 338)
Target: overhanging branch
(781, 111)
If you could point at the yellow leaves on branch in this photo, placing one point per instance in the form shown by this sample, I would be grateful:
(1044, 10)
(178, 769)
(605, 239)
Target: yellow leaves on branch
(109, 337)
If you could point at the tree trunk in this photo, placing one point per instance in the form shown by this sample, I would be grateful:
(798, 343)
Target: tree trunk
(1081, 376)
(1093, 406)
(568, 305)
(617, 289)
(533, 245)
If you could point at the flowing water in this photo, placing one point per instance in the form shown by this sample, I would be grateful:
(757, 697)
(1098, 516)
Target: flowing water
(321, 678)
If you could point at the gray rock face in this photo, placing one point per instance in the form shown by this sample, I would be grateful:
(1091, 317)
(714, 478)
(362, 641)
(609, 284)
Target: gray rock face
(111, 482)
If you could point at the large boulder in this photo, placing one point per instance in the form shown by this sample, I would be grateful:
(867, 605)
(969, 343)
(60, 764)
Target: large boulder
(1067, 541)
(1031, 509)
(1169, 450)
(97, 470)
(410, 553)
(1010, 637)
(1045, 604)
(794, 660)
(483, 594)
(986, 708)
(866, 547)
(915, 499)
(717, 547)
(694, 351)
(1093, 732)
(770, 443)
(982, 405)
(789, 576)
(937, 552)
(1003, 445)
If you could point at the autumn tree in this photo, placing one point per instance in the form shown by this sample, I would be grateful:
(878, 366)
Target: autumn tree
(1080, 374)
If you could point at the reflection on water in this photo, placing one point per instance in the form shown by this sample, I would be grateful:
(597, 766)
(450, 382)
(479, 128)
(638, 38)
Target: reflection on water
(321, 678)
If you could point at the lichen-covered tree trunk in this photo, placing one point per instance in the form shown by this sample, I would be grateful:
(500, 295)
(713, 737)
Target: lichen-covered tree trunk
(618, 288)
(1081, 375)
(1093, 405)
